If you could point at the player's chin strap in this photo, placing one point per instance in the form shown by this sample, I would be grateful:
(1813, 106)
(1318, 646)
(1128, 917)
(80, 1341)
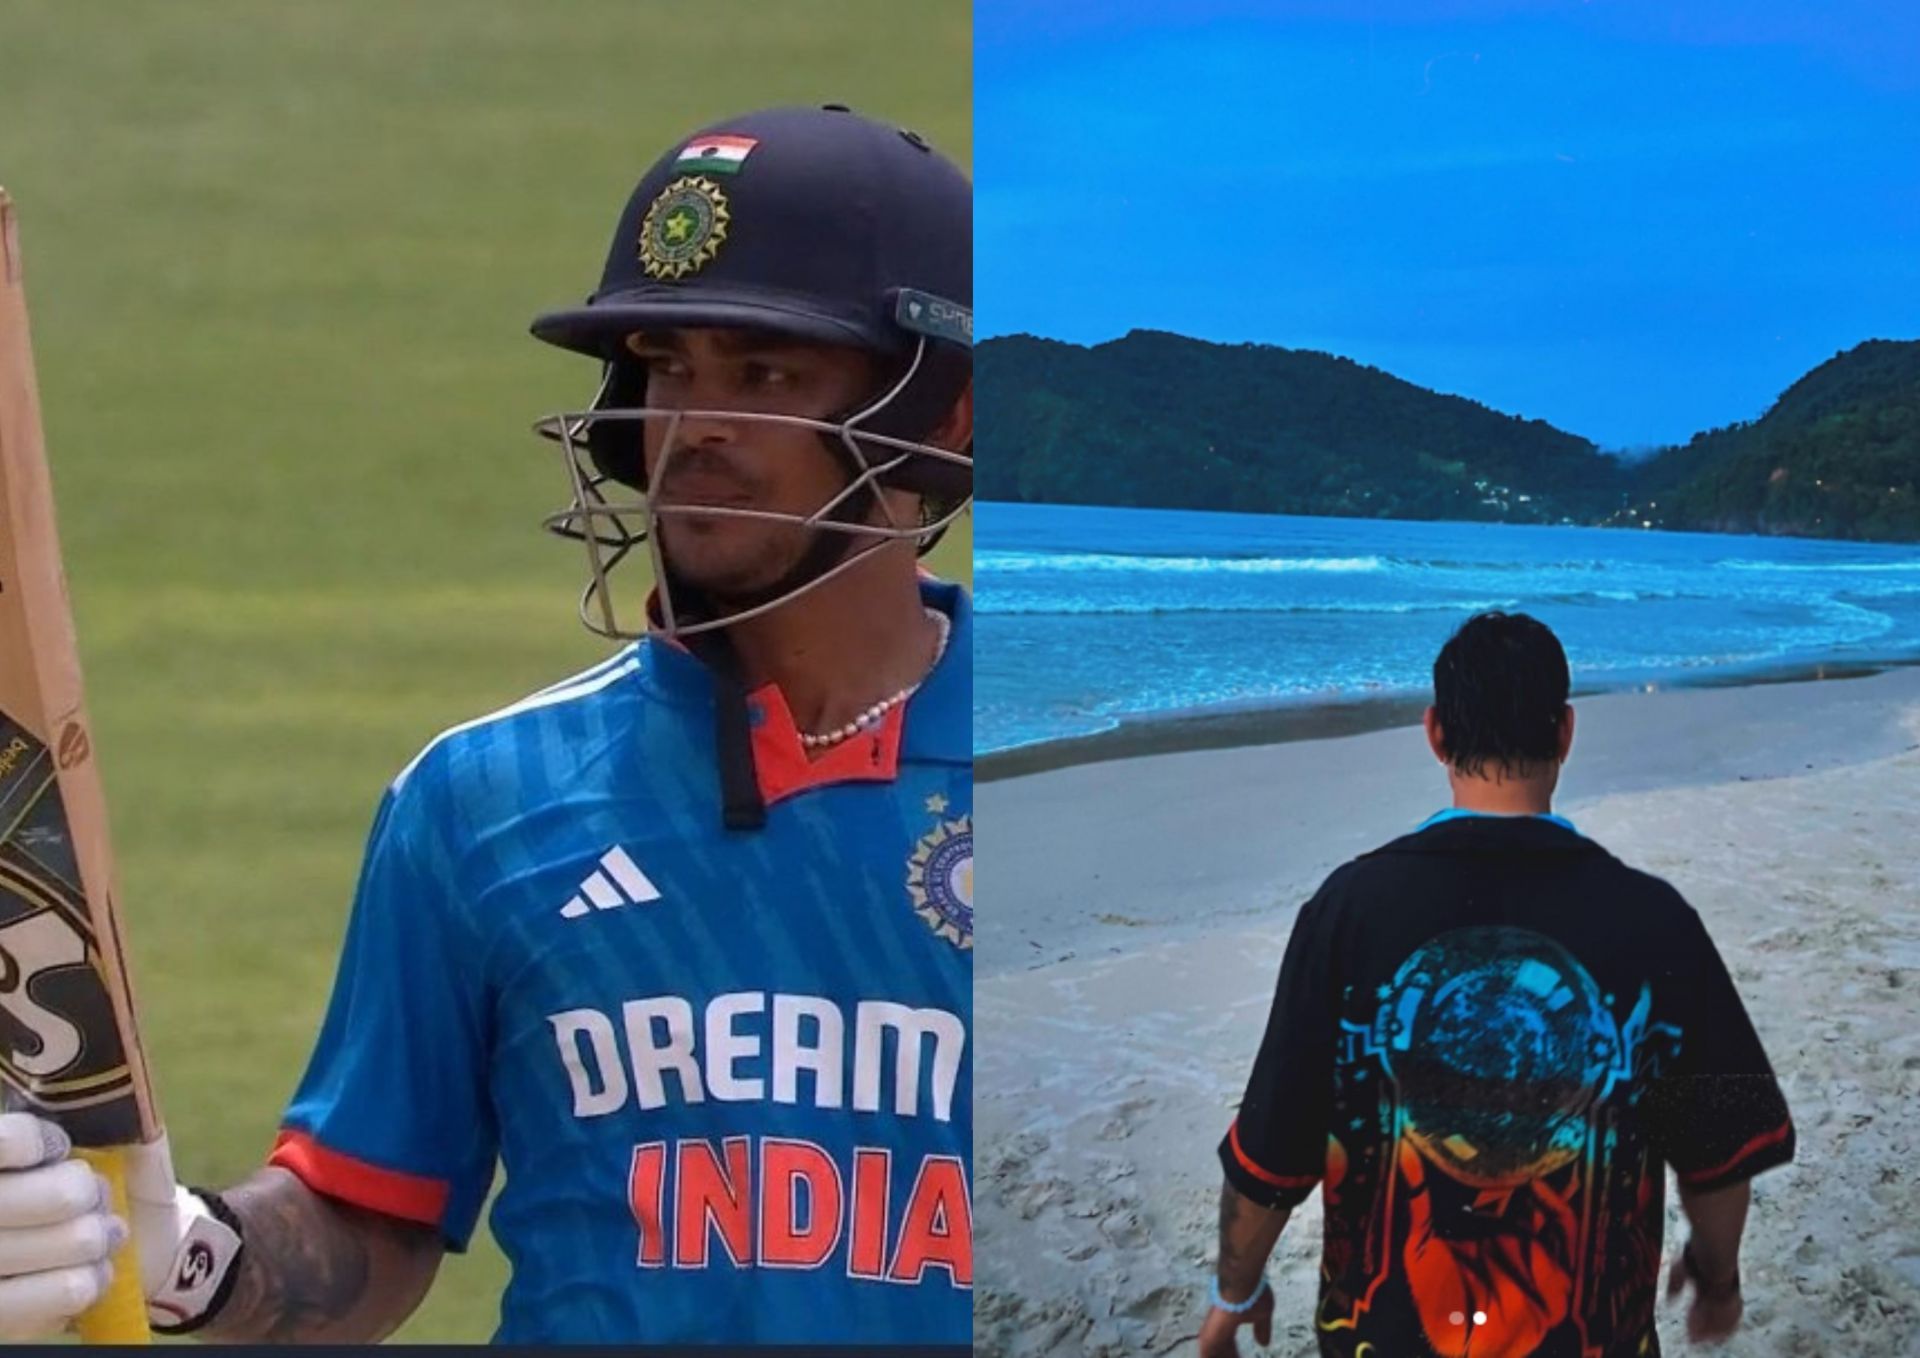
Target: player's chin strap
(742, 805)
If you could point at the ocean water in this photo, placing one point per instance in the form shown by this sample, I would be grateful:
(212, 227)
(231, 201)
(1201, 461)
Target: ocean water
(1088, 616)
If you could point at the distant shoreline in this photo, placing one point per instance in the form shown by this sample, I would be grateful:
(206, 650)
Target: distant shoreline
(1287, 722)
(1609, 524)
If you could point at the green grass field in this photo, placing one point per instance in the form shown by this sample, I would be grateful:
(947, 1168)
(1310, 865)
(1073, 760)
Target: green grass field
(281, 261)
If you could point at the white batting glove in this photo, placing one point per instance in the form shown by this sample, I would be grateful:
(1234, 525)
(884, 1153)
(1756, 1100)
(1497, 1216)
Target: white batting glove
(58, 1233)
(56, 1230)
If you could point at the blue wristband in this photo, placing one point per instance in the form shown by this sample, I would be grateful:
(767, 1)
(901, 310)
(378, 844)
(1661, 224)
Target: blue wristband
(1237, 1308)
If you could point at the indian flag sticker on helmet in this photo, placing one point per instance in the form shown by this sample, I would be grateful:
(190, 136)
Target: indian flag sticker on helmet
(718, 153)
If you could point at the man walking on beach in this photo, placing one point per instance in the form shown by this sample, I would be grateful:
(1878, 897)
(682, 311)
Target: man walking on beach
(1489, 1040)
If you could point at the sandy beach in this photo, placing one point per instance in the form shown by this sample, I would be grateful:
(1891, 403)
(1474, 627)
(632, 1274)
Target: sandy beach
(1141, 906)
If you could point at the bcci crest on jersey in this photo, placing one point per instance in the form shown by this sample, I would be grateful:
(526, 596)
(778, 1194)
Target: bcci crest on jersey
(940, 881)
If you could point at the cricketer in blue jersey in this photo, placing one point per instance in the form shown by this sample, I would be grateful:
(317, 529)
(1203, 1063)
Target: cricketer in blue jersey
(728, 1076)
(675, 954)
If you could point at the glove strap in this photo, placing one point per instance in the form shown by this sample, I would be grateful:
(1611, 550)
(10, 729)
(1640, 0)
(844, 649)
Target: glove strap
(204, 1269)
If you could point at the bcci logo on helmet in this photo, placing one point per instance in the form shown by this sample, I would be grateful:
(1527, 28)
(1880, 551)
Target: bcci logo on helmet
(684, 228)
(940, 881)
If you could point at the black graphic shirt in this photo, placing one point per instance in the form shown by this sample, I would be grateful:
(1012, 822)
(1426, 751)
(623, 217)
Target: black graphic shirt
(1489, 1039)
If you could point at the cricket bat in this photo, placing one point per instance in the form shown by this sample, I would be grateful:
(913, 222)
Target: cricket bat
(69, 1048)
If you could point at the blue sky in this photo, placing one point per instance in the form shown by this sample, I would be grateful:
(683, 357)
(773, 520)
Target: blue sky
(1634, 220)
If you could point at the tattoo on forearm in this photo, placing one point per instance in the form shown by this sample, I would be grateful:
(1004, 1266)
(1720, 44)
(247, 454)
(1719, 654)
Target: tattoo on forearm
(314, 1270)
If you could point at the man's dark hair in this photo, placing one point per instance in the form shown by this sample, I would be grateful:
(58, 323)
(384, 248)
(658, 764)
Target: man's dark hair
(1500, 688)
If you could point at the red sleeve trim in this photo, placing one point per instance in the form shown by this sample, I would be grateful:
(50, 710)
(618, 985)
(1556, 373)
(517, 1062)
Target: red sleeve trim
(410, 1197)
(1759, 1143)
(1264, 1176)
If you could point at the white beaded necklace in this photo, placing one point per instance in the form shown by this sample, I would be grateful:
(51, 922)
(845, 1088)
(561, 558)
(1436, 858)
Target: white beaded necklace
(873, 714)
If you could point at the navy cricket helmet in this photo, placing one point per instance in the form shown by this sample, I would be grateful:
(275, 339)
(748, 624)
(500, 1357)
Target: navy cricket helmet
(813, 223)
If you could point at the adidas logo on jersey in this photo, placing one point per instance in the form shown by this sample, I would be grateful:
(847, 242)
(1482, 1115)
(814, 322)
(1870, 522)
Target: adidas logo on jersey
(618, 882)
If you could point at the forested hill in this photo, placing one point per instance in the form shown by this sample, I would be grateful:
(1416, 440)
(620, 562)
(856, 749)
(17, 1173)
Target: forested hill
(1160, 420)
(1838, 455)
(1165, 421)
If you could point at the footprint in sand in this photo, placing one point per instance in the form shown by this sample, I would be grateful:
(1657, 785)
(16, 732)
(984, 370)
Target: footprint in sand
(1784, 938)
(1148, 1304)
(1035, 1198)
(1119, 1126)
(1863, 1305)
(1029, 1144)
(1126, 1228)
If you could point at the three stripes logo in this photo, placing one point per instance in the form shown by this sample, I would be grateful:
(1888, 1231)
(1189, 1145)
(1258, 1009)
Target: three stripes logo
(618, 881)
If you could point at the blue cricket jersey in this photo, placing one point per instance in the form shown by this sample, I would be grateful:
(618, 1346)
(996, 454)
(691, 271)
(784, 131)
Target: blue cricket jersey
(727, 1074)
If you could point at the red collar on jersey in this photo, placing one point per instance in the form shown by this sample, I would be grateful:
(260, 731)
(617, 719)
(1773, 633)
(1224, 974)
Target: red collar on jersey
(783, 766)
